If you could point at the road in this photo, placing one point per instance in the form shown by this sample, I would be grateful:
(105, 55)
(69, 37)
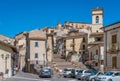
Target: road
(21, 76)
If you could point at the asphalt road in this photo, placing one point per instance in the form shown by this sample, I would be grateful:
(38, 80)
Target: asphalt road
(21, 76)
(40, 79)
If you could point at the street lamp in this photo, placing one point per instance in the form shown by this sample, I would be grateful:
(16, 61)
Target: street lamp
(44, 59)
(5, 57)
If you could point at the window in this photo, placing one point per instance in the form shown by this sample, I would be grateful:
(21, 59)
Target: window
(114, 39)
(83, 52)
(98, 39)
(36, 55)
(83, 39)
(83, 47)
(102, 62)
(36, 44)
(97, 19)
(82, 26)
(117, 74)
(52, 31)
(96, 52)
(96, 64)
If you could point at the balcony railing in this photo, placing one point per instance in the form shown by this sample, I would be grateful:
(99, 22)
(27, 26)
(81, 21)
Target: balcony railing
(114, 49)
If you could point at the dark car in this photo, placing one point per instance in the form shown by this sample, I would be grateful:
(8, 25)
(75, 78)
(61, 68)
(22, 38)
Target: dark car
(45, 72)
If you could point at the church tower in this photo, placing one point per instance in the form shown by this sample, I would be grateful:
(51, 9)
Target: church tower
(97, 19)
(59, 25)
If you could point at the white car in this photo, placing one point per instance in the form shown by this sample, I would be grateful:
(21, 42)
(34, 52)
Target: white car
(109, 76)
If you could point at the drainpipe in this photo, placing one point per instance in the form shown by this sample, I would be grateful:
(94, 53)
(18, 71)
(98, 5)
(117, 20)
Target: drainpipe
(105, 45)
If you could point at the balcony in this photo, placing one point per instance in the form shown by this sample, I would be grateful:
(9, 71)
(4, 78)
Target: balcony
(114, 49)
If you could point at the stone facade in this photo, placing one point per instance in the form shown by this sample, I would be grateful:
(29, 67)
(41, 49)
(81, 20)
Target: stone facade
(36, 49)
(112, 46)
(74, 44)
(7, 64)
(95, 49)
(20, 43)
(7, 40)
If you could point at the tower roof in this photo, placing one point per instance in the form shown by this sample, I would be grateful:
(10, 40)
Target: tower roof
(97, 9)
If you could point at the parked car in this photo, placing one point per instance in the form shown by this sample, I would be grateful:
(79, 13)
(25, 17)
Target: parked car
(79, 73)
(92, 76)
(45, 72)
(109, 76)
(50, 69)
(75, 72)
(68, 72)
(83, 73)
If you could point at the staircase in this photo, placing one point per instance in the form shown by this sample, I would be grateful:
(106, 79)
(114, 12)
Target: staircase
(59, 63)
(62, 63)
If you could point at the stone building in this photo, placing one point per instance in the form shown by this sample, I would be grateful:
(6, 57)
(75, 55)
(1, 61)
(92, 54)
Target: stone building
(112, 46)
(96, 50)
(7, 59)
(7, 40)
(32, 49)
(73, 44)
(20, 43)
(36, 50)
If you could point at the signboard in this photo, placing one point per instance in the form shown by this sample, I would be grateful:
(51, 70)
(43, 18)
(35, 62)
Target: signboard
(95, 57)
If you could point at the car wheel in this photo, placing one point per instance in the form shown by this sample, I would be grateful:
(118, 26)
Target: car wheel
(92, 79)
(110, 80)
(78, 78)
(64, 76)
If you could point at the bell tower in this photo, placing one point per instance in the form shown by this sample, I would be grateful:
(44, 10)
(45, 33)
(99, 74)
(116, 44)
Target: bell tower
(97, 19)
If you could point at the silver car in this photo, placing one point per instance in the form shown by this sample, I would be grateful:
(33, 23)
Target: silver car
(83, 73)
(75, 72)
(68, 72)
(109, 76)
(92, 76)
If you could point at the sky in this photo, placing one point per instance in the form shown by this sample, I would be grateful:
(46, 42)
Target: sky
(25, 15)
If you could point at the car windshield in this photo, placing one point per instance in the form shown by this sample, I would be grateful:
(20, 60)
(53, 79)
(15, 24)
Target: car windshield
(94, 73)
(109, 73)
(67, 69)
(77, 70)
(45, 70)
(88, 71)
(80, 71)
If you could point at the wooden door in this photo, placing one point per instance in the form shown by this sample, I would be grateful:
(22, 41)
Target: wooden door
(114, 62)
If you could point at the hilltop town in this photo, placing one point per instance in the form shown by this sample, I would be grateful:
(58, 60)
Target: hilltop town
(78, 45)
